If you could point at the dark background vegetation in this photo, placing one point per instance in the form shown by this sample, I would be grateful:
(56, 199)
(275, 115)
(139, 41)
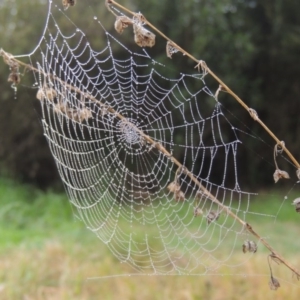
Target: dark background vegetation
(252, 45)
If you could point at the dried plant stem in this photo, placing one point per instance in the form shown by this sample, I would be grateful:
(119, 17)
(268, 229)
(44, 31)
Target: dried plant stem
(224, 86)
(163, 150)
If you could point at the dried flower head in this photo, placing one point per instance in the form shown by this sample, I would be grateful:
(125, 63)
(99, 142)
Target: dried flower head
(46, 93)
(174, 188)
(40, 95)
(199, 194)
(9, 59)
(202, 66)
(171, 49)
(249, 246)
(84, 114)
(296, 202)
(198, 211)
(67, 3)
(179, 196)
(278, 174)
(139, 18)
(122, 22)
(274, 283)
(14, 77)
(60, 107)
(142, 36)
(212, 216)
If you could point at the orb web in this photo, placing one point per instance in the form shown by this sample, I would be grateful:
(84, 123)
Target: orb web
(133, 141)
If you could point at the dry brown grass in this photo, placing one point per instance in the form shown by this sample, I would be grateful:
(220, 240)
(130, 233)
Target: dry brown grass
(58, 270)
(45, 254)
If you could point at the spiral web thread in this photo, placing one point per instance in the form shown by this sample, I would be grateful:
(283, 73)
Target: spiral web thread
(97, 109)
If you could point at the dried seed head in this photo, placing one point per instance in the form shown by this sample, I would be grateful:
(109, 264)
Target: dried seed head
(202, 66)
(122, 22)
(143, 37)
(139, 19)
(170, 49)
(104, 111)
(274, 283)
(278, 174)
(212, 216)
(46, 93)
(40, 95)
(6, 56)
(60, 107)
(78, 115)
(179, 196)
(84, 114)
(198, 212)
(14, 77)
(50, 94)
(173, 187)
(9, 59)
(249, 246)
(199, 195)
(296, 202)
(67, 3)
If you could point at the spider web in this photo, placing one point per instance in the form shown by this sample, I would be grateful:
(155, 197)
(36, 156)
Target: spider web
(117, 122)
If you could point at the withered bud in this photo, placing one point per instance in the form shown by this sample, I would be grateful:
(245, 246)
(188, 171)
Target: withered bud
(170, 49)
(84, 114)
(14, 77)
(122, 22)
(274, 283)
(173, 187)
(199, 194)
(139, 18)
(198, 212)
(249, 246)
(179, 196)
(143, 37)
(40, 95)
(296, 202)
(67, 3)
(46, 94)
(104, 111)
(60, 108)
(212, 216)
(9, 59)
(278, 174)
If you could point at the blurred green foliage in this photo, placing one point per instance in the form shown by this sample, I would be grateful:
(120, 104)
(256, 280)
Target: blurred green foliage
(252, 45)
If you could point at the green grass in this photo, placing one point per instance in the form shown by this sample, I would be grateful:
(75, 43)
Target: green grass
(45, 253)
